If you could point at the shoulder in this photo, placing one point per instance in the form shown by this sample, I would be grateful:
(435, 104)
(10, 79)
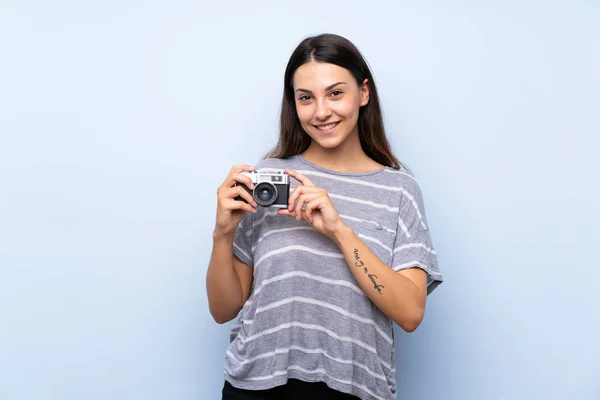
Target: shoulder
(401, 177)
(406, 186)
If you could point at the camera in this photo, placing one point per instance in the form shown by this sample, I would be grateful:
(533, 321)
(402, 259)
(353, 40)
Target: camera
(271, 189)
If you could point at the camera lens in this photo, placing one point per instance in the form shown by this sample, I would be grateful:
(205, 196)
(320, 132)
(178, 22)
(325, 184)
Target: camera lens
(265, 194)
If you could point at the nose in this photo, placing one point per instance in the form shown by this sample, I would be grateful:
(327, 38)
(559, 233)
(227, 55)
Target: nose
(323, 111)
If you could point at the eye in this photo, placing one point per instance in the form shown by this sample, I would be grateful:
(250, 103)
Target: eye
(304, 97)
(336, 93)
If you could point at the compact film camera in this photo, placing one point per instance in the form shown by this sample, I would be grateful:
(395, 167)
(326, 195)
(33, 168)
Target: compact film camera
(271, 189)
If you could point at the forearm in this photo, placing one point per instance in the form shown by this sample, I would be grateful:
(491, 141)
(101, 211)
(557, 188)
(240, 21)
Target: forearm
(222, 282)
(394, 294)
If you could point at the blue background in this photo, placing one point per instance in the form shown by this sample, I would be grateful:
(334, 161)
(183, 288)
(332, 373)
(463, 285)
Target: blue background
(119, 119)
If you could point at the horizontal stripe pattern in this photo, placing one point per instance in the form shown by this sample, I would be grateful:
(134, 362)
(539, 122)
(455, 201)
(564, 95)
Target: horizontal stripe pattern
(351, 181)
(377, 241)
(307, 351)
(273, 231)
(415, 245)
(316, 327)
(374, 223)
(338, 282)
(363, 202)
(323, 304)
(297, 248)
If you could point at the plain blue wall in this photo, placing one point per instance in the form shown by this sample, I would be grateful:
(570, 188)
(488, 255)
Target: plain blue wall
(119, 119)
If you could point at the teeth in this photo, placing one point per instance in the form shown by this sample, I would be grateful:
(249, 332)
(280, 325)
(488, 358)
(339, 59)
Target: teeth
(327, 127)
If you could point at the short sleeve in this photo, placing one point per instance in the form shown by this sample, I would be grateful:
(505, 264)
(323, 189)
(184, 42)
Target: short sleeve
(413, 245)
(242, 240)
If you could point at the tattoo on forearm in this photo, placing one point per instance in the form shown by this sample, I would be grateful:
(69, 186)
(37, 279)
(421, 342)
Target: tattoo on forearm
(358, 263)
(375, 285)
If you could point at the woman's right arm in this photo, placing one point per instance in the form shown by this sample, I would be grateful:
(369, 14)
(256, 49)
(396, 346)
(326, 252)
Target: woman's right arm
(228, 280)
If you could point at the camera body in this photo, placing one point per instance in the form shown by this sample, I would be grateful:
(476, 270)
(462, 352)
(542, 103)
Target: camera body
(271, 188)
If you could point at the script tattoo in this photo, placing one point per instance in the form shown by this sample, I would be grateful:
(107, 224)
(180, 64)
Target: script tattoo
(375, 285)
(357, 261)
(372, 277)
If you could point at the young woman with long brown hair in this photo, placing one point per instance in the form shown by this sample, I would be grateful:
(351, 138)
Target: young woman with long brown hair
(319, 283)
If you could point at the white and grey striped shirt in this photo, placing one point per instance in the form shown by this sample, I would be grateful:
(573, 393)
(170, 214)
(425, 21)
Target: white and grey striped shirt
(306, 317)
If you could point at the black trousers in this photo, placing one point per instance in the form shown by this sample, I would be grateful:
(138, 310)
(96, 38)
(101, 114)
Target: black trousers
(294, 389)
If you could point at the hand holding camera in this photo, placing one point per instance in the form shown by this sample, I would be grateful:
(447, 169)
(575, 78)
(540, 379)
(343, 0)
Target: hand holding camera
(230, 209)
(313, 205)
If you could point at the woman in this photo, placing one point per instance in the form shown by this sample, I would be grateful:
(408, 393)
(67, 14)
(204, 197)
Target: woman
(320, 283)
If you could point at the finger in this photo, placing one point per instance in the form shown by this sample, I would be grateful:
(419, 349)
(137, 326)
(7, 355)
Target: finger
(304, 198)
(236, 177)
(285, 211)
(242, 168)
(235, 191)
(297, 192)
(240, 205)
(307, 217)
(312, 205)
(292, 199)
(299, 177)
(298, 208)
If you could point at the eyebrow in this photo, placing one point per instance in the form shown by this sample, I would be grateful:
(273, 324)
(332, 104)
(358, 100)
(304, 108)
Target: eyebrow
(326, 89)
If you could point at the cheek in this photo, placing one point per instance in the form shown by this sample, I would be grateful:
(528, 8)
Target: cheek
(305, 114)
(346, 108)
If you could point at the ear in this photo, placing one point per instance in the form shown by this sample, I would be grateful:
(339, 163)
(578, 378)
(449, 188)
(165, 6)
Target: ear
(364, 93)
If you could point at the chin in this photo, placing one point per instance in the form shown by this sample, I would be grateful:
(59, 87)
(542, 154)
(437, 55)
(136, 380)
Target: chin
(326, 143)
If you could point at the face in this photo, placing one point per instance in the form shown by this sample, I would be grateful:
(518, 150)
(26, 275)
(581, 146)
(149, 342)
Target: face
(328, 101)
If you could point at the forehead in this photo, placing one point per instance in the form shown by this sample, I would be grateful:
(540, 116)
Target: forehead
(317, 75)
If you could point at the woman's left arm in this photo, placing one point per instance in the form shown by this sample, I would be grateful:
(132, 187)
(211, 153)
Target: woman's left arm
(399, 295)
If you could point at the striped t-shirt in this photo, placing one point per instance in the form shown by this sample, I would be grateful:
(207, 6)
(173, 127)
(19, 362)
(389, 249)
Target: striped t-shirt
(306, 317)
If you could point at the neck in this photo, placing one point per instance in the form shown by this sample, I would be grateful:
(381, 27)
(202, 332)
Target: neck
(347, 157)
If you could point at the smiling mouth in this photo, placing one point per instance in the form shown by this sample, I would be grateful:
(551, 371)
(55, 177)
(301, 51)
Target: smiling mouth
(327, 127)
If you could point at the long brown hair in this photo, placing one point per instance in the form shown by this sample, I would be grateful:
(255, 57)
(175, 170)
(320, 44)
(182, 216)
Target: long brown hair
(333, 49)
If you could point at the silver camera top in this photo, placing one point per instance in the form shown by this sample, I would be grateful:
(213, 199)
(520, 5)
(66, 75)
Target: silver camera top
(273, 176)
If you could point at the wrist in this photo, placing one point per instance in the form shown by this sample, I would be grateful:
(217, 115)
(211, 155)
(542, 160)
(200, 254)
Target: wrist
(222, 237)
(341, 235)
